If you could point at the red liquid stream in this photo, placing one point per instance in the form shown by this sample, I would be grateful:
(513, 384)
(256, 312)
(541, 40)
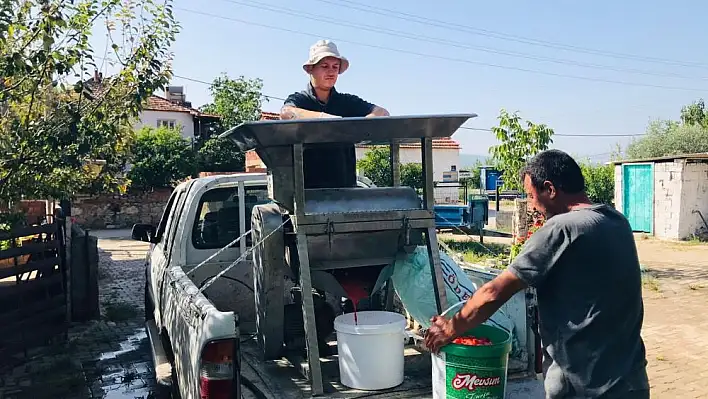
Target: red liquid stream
(356, 292)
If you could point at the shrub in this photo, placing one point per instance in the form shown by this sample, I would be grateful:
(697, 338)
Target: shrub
(220, 155)
(161, 158)
(599, 182)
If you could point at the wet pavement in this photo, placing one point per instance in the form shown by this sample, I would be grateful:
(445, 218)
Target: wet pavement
(107, 358)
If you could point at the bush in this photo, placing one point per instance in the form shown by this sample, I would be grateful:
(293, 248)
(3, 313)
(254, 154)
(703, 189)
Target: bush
(161, 158)
(220, 155)
(599, 182)
(376, 166)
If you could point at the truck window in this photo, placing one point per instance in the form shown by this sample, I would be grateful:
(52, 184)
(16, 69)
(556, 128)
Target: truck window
(165, 214)
(217, 222)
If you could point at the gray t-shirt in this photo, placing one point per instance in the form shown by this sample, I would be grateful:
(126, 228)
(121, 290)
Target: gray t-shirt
(585, 269)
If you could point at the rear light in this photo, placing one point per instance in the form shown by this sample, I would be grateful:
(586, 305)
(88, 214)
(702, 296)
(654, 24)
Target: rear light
(216, 371)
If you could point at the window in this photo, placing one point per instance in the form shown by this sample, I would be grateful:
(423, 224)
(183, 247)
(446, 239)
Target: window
(169, 123)
(453, 168)
(217, 222)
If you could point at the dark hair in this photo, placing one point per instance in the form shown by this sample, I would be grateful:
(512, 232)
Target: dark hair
(556, 167)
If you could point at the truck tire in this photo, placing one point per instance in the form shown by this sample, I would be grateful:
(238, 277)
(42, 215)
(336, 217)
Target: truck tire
(269, 270)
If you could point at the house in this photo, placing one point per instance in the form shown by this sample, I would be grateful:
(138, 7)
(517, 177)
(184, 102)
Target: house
(173, 110)
(666, 197)
(446, 154)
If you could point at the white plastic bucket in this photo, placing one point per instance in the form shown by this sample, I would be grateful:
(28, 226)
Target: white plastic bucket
(371, 353)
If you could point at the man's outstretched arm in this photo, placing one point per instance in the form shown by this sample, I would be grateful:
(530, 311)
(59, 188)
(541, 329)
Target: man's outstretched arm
(478, 309)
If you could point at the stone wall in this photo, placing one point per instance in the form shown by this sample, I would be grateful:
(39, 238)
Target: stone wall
(34, 210)
(668, 185)
(120, 211)
(524, 218)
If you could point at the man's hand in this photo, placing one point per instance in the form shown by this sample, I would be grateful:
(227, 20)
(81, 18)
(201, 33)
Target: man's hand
(440, 333)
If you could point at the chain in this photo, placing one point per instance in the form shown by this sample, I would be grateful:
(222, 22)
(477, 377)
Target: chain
(242, 257)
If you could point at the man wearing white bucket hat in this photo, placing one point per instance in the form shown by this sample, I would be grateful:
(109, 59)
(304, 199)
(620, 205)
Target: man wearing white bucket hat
(320, 99)
(327, 165)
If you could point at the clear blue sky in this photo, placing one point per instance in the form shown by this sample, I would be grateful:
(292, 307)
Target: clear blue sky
(452, 77)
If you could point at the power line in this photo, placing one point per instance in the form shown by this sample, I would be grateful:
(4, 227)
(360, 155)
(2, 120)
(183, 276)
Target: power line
(566, 135)
(461, 60)
(461, 127)
(462, 45)
(504, 36)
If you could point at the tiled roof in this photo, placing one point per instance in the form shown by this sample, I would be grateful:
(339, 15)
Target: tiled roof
(442, 143)
(157, 103)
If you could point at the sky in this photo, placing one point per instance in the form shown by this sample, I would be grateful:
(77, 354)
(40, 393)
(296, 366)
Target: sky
(583, 68)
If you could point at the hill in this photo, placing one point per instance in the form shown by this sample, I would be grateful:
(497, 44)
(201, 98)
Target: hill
(469, 160)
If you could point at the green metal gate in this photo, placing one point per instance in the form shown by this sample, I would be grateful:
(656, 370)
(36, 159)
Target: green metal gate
(638, 196)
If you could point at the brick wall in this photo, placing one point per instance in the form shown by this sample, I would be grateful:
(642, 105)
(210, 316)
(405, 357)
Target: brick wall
(120, 211)
(34, 210)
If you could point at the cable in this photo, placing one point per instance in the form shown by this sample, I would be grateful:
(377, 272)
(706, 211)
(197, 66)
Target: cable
(368, 8)
(481, 129)
(447, 42)
(461, 60)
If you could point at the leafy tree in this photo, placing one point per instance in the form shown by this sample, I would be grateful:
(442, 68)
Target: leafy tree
(235, 100)
(599, 182)
(220, 155)
(376, 166)
(54, 120)
(665, 138)
(518, 143)
(162, 158)
(695, 114)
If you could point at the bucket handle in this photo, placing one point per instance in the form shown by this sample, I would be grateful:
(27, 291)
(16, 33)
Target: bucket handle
(445, 314)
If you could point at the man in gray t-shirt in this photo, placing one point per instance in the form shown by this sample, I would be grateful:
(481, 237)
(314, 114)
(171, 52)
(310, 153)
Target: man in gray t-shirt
(583, 263)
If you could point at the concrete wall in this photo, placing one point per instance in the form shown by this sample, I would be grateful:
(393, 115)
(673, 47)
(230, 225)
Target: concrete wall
(150, 118)
(694, 197)
(443, 158)
(120, 211)
(667, 199)
(619, 194)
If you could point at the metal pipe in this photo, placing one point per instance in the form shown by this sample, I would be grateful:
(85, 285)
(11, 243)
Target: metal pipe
(702, 218)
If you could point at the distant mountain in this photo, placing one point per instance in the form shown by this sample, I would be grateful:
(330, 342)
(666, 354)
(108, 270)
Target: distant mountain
(468, 160)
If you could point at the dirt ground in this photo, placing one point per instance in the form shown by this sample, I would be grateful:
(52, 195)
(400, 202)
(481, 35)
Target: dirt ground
(109, 358)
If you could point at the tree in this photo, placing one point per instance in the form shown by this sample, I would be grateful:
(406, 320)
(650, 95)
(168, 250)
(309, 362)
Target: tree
(664, 138)
(695, 114)
(377, 167)
(518, 143)
(162, 158)
(220, 155)
(599, 182)
(235, 100)
(54, 119)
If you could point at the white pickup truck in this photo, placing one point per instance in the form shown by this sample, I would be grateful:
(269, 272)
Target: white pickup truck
(195, 335)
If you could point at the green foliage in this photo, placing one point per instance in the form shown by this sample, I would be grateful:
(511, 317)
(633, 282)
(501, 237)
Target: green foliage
(695, 114)
(518, 143)
(50, 127)
(599, 182)
(665, 138)
(235, 100)
(162, 157)
(412, 175)
(220, 155)
(376, 166)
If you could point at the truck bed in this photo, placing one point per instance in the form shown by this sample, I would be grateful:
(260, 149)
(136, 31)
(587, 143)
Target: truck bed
(281, 379)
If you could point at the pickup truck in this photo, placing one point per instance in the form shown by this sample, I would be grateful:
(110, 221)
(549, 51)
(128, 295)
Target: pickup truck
(195, 336)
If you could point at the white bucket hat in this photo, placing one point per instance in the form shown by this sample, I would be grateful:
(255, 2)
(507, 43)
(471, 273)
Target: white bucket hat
(323, 49)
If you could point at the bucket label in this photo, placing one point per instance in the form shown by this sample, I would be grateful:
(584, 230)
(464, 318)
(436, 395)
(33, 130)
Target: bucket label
(456, 381)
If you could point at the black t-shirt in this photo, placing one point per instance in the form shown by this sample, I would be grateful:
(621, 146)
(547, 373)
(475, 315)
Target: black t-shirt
(330, 165)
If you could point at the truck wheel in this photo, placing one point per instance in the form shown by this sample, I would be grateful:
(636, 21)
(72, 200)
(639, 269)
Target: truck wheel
(268, 279)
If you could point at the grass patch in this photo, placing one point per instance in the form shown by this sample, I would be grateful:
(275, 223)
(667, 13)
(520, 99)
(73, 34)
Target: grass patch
(474, 252)
(650, 282)
(119, 311)
(661, 358)
(695, 287)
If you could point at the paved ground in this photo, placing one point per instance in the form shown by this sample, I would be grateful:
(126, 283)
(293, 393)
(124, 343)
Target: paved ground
(109, 358)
